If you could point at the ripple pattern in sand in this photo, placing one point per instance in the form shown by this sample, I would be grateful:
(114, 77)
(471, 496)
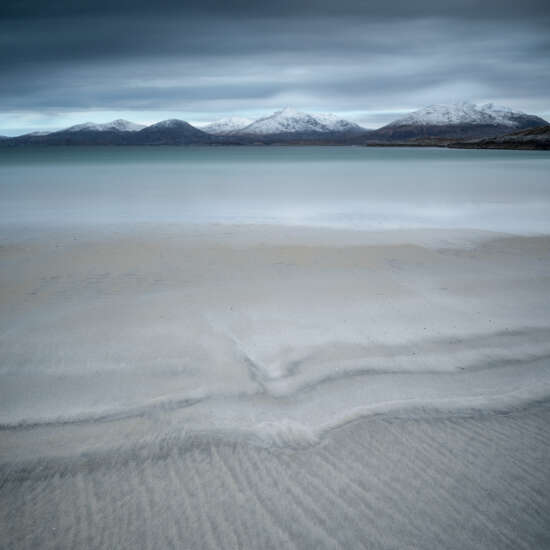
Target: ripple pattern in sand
(387, 482)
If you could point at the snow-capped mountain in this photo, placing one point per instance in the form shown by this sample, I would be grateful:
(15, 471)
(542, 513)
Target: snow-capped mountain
(457, 121)
(118, 125)
(462, 113)
(227, 126)
(289, 121)
(336, 124)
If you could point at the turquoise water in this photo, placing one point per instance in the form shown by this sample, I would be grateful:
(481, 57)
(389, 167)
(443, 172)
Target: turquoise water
(348, 187)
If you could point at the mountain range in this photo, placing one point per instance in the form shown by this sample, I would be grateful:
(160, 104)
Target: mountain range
(436, 122)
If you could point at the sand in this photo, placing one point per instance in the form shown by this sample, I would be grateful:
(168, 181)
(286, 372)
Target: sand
(221, 386)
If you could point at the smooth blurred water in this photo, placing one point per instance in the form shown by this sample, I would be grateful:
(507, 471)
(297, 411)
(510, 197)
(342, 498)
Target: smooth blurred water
(348, 187)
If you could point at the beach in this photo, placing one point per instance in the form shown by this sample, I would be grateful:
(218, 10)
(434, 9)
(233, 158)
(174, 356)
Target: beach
(233, 398)
(246, 383)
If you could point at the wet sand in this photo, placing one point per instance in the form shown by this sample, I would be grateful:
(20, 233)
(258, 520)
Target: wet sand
(257, 387)
(466, 481)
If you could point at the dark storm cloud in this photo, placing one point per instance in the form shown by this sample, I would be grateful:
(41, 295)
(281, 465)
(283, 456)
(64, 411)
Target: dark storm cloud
(215, 56)
(384, 8)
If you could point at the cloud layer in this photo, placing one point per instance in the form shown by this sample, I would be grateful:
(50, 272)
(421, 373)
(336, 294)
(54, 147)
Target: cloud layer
(369, 61)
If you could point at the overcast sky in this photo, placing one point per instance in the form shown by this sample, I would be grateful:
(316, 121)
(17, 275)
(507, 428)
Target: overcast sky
(66, 61)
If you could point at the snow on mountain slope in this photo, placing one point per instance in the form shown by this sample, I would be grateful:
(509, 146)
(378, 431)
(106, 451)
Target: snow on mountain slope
(336, 124)
(118, 125)
(461, 113)
(283, 121)
(290, 121)
(227, 125)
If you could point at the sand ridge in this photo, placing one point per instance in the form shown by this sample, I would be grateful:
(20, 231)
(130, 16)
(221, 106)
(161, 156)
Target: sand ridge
(109, 325)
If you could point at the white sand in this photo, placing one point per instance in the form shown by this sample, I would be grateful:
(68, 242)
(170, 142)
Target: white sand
(257, 387)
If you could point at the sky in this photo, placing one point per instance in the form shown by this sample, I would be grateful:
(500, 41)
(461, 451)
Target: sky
(64, 62)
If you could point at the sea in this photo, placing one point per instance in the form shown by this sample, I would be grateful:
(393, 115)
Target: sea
(343, 187)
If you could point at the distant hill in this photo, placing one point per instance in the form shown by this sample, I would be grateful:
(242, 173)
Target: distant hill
(119, 132)
(84, 136)
(171, 132)
(115, 132)
(118, 125)
(460, 120)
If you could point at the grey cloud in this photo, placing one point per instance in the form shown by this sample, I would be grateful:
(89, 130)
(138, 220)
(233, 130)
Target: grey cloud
(223, 56)
(372, 8)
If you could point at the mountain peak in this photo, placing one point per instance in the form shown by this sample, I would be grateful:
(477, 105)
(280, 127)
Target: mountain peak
(118, 125)
(173, 131)
(169, 123)
(288, 120)
(336, 124)
(462, 113)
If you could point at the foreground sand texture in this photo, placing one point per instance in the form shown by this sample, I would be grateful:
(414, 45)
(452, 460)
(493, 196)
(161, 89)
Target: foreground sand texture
(452, 482)
(225, 386)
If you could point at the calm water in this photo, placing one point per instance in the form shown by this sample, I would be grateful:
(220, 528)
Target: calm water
(353, 187)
